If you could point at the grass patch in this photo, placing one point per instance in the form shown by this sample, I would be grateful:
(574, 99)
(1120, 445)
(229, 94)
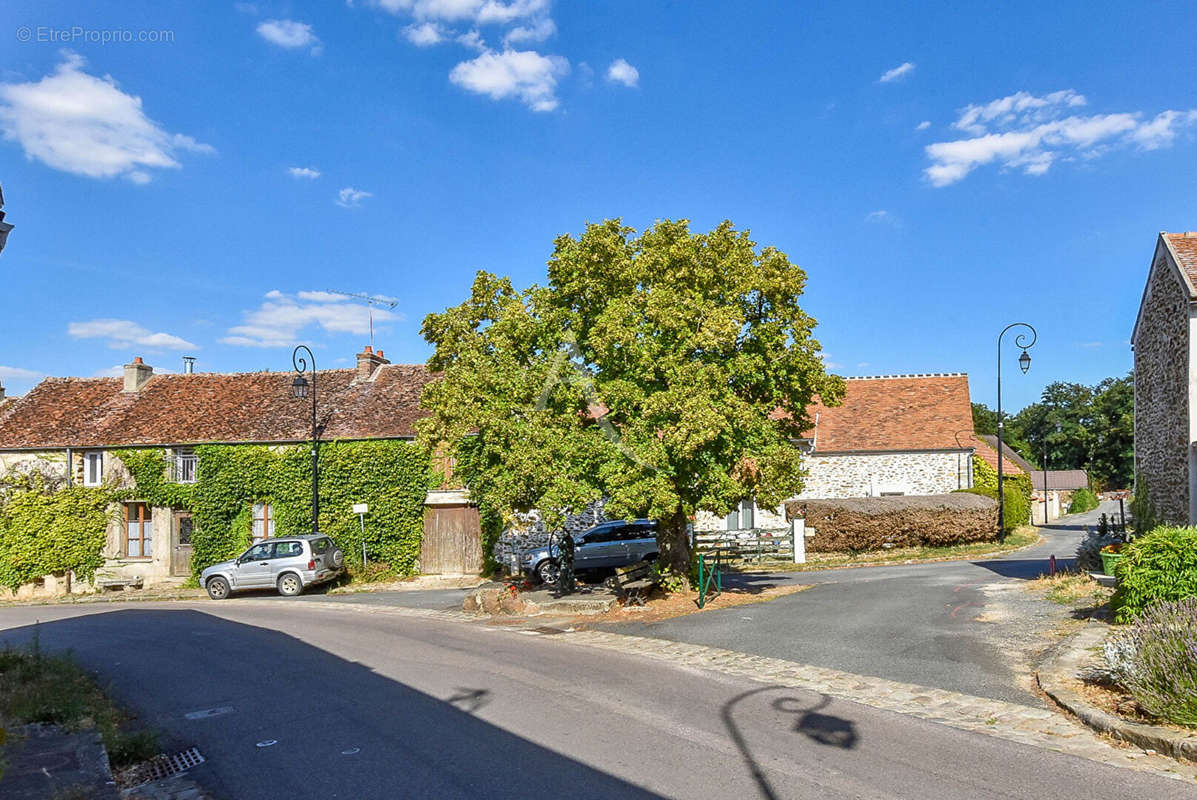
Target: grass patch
(1016, 540)
(52, 688)
(1071, 588)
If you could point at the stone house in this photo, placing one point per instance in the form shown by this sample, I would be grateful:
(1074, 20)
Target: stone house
(1166, 380)
(892, 435)
(69, 428)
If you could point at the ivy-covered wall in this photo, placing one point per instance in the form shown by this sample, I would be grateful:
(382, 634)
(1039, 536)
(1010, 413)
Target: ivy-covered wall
(51, 530)
(393, 477)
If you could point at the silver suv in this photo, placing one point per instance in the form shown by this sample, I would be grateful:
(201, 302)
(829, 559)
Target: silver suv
(611, 544)
(289, 565)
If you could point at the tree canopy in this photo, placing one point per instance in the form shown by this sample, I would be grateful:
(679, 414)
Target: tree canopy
(1075, 427)
(667, 371)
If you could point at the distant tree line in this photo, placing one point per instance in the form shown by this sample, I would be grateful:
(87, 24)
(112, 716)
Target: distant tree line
(1076, 427)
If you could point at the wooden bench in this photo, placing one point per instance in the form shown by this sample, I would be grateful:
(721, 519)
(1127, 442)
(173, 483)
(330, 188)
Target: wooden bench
(635, 582)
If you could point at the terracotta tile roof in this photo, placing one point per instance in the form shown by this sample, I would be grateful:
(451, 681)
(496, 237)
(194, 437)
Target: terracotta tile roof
(212, 407)
(1012, 463)
(900, 412)
(1184, 248)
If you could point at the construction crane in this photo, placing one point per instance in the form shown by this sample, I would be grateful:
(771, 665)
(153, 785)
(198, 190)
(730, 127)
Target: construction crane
(370, 300)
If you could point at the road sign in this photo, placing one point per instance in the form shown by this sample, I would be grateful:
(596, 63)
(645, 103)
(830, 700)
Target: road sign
(360, 508)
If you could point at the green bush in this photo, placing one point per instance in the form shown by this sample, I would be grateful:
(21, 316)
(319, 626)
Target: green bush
(1083, 500)
(1158, 567)
(1017, 503)
(46, 532)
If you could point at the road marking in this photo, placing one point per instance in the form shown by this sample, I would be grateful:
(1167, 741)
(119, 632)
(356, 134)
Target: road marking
(267, 742)
(205, 713)
(351, 751)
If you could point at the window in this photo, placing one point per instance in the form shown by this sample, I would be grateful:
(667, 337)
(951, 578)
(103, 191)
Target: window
(743, 517)
(93, 469)
(263, 522)
(259, 552)
(288, 549)
(138, 531)
(183, 468)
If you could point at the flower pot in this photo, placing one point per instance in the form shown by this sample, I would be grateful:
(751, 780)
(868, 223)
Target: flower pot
(1109, 561)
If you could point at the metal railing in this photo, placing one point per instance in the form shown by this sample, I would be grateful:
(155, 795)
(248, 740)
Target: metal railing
(184, 467)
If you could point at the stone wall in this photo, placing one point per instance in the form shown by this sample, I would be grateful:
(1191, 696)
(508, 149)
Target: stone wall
(529, 530)
(1162, 432)
(872, 474)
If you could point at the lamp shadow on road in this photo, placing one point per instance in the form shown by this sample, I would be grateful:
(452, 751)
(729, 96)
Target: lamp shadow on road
(823, 729)
(370, 735)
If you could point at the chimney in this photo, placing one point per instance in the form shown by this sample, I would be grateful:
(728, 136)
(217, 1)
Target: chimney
(188, 365)
(367, 362)
(1, 391)
(137, 375)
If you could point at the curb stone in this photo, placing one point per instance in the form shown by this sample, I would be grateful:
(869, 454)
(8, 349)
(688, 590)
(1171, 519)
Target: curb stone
(1057, 676)
(1035, 727)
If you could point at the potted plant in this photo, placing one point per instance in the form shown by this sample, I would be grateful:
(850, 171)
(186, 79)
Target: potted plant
(1111, 554)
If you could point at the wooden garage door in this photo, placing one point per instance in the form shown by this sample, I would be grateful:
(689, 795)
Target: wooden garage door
(452, 541)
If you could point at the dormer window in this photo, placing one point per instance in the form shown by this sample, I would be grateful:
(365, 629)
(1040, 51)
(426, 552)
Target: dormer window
(184, 466)
(93, 469)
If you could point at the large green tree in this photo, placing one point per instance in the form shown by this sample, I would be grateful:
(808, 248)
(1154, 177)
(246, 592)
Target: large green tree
(668, 371)
(1074, 426)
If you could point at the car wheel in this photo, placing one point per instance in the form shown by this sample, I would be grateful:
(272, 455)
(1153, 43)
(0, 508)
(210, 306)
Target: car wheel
(218, 588)
(289, 584)
(337, 558)
(548, 571)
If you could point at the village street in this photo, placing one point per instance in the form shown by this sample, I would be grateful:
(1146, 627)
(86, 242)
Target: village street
(349, 700)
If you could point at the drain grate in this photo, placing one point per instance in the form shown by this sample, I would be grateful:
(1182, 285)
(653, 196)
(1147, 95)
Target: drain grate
(168, 766)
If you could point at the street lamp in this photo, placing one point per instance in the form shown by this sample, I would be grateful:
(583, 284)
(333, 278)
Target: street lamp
(301, 389)
(1024, 363)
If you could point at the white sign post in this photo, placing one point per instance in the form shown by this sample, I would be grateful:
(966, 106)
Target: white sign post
(360, 509)
(798, 530)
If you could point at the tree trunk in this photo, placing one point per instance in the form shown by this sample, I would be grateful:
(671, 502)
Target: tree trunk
(674, 542)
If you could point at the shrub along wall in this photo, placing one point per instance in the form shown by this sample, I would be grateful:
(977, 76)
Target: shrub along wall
(51, 531)
(873, 523)
(393, 477)
(1017, 491)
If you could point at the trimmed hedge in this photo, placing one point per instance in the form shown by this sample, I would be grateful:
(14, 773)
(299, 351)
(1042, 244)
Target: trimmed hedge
(864, 524)
(1083, 500)
(1018, 503)
(1158, 567)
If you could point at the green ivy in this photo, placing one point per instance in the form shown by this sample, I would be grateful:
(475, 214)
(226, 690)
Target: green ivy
(46, 531)
(1016, 492)
(391, 476)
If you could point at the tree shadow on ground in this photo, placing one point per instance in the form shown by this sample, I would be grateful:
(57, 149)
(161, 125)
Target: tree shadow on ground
(339, 729)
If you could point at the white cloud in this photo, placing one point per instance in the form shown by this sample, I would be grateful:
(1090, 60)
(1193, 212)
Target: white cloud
(424, 34)
(473, 40)
(897, 73)
(282, 318)
(881, 215)
(351, 198)
(289, 34)
(621, 71)
(922, 126)
(19, 374)
(1031, 133)
(85, 125)
(535, 31)
(525, 74)
(122, 334)
(482, 12)
(310, 173)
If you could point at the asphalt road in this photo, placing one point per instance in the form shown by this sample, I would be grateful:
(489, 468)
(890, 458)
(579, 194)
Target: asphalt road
(301, 701)
(922, 623)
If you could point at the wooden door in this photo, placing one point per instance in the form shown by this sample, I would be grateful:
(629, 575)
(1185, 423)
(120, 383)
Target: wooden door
(452, 541)
(180, 540)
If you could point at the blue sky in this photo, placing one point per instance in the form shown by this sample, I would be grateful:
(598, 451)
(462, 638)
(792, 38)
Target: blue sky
(939, 170)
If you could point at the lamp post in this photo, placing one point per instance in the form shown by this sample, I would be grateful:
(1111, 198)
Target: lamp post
(1024, 363)
(301, 389)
